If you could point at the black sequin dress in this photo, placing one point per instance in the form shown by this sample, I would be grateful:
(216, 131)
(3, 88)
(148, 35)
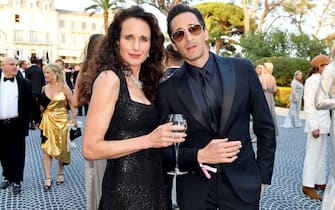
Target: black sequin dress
(135, 181)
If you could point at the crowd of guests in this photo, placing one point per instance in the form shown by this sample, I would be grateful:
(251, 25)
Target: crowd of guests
(129, 83)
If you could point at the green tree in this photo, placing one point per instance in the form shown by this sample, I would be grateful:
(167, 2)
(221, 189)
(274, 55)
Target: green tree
(326, 17)
(278, 41)
(282, 44)
(255, 46)
(306, 47)
(106, 6)
(222, 21)
(162, 5)
(298, 11)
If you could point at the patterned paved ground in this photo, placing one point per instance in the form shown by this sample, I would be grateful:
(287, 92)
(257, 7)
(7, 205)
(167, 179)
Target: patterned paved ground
(283, 194)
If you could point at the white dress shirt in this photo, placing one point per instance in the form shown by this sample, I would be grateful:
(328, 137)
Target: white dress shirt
(9, 98)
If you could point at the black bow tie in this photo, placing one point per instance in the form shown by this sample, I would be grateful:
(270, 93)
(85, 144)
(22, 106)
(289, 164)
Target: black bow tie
(10, 79)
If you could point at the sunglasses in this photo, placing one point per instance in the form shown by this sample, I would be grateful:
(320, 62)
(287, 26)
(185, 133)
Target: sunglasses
(193, 29)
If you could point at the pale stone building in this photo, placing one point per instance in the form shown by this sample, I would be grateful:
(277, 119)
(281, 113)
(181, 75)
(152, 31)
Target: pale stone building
(36, 27)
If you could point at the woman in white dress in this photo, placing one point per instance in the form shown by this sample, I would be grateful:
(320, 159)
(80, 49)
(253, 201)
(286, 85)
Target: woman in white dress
(293, 120)
(326, 100)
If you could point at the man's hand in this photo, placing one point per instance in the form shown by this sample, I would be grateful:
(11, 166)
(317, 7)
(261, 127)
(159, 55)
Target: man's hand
(219, 151)
(316, 133)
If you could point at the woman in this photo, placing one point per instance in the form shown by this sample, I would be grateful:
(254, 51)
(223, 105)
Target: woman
(56, 95)
(260, 71)
(269, 86)
(325, 100)
(317, 126)
(94, 168)
(292, 120)
(122, 116)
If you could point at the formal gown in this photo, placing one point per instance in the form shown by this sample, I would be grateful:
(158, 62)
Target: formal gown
(268, 92)
(54, 128)
(292, 120)
(135, 181)
(325, 100)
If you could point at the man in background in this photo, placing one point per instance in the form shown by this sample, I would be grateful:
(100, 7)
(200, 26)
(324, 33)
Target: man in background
(35, 75)
(17, 102)
(23, 65)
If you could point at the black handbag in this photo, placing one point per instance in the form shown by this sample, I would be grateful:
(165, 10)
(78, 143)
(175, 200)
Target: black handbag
(75, 133)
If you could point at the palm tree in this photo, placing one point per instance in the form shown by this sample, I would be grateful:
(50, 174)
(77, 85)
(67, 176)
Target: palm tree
(105, 6)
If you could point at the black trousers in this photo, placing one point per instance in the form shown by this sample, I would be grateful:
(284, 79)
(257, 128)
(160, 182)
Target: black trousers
(80, 109)
(12, 151)
(219, 194)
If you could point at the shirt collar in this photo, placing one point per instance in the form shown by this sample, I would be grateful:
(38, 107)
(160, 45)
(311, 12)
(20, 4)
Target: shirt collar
(208, 67)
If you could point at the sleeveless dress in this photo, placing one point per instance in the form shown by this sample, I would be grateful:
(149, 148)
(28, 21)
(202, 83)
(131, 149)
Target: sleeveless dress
(271, 103)
(135, 181)
(54, 128)
(292, 120)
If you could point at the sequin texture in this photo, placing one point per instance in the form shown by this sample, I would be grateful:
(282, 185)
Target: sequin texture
(135, 181)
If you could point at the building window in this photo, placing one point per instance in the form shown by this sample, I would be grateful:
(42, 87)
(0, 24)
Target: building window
(61, 23)
(31, 4)
(63, 39)
(94, 26)
(18, 36)
(17, 18)
(46, 6)
(17, 4)
(47, 37)
(32, 36)
(83, 25)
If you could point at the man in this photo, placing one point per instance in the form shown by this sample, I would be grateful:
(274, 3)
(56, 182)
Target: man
(16, 103)
(35, 74)
(23, 65)
(223, 172)
(317, 126)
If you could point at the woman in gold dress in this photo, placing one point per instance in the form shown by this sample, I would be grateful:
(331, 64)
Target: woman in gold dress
(55, 120)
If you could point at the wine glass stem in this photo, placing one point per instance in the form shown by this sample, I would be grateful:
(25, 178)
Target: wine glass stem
(177, 155)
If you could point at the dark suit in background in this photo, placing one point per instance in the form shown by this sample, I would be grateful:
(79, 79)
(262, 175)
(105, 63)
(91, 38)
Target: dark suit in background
(13, 131)
(35, 75)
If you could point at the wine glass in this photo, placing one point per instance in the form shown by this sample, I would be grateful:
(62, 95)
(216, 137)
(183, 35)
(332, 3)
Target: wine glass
(177, 119)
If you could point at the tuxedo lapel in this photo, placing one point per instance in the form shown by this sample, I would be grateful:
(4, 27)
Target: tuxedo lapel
(185, 94)
(228, 89)
(20, 84)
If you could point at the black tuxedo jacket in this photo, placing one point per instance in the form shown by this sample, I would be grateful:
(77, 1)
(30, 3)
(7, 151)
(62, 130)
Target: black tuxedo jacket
(242, 96)
(26, 104)
(36, 76)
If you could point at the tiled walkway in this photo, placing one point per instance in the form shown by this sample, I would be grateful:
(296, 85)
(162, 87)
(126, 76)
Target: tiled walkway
(283, 194)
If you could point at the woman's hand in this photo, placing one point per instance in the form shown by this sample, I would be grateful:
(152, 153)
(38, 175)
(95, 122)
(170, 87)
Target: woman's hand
(74, 121)
(165, 135)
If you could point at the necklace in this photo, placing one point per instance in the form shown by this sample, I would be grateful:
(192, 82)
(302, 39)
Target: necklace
(137, 82)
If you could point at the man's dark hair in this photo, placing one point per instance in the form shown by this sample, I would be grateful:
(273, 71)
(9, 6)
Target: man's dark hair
(21, 62)
(33, 59)
(172, 53)
(60, 60)
(179, 9)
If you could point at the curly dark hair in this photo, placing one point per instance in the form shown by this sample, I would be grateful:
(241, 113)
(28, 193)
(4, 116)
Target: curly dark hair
(107, 55)
(83, 80)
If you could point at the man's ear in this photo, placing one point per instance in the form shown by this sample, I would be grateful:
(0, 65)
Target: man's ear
(174, 46)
